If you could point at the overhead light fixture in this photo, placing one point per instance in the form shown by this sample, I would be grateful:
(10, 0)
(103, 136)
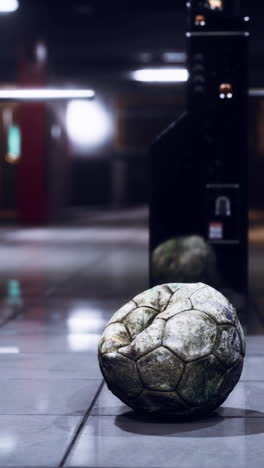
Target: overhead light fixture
(8, 6)
(160, 75)
(45, 94)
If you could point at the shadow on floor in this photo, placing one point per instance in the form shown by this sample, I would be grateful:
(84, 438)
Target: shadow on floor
(210, 426)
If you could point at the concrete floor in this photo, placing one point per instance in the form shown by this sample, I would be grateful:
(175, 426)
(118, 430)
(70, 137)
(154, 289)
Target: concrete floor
(59, 286)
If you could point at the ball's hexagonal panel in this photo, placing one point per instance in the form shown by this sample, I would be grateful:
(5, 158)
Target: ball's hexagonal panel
(159, 402)
(227, 347)
(121, 375)
(212, 302)
(114, 336)
(157, 297)
(242, 338)
(146, 341)
(175, 308)
(160, 369)
(190, 334)
(137, 320)
(122, 312)
(202, 381)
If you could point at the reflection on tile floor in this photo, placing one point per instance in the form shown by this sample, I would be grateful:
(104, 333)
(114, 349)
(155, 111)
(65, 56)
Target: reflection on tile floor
(59, 286)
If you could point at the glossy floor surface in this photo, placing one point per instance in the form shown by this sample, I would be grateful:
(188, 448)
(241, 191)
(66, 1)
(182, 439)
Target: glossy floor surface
(59, 286)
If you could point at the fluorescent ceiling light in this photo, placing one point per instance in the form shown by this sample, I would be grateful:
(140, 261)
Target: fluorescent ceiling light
(45, 94)
(8, 6)
(160, 75)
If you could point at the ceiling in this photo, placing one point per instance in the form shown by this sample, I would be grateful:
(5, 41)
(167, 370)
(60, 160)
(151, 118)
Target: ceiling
(94, 35)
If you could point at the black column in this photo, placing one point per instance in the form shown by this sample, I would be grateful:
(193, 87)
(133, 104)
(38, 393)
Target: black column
(199, 164)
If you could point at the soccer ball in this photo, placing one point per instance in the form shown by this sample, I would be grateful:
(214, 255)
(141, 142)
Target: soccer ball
(174, 349)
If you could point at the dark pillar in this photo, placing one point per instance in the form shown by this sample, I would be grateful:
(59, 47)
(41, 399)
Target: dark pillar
(32, 191)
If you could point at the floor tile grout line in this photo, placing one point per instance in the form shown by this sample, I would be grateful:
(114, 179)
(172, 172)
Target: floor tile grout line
(12, 317)
(81, 426)
(52, 289)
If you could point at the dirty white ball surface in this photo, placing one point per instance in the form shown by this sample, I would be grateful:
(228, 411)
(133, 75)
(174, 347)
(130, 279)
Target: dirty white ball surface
(175, 349)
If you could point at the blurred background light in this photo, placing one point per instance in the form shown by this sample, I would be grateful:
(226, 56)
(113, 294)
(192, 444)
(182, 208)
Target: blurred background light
(174, 57)
(85, 320)
(215, 4)
(9, 350)
(55, 131)
(160, 75)
(88, 123)
(7, 117)
(44, 94)
(13, 144)
(41, 52)
(8, 6)
(81, 342)
(7, 443)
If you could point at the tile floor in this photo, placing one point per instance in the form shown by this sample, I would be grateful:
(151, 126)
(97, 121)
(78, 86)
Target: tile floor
(58, 288)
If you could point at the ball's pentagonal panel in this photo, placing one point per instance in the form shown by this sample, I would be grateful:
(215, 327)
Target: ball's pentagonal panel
(123, 312)
(228, 346)
(242, 338)
(157, 297)
(215, 304)
(160, 369)
(190, 334)
(137, 320)
(175, 349)
(114, 336)
(160, 402)
(146, 341)
(175, 308)
(201, 381)
(121, 375)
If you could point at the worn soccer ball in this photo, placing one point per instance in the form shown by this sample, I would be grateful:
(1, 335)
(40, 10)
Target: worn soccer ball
(175, 349)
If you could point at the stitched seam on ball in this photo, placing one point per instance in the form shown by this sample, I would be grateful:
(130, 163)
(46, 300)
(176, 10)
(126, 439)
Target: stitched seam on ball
(152, 349)
(146, 328)
(200, 287)
(210, 316)
(223, 363)
(189, 297)
(175, 313)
